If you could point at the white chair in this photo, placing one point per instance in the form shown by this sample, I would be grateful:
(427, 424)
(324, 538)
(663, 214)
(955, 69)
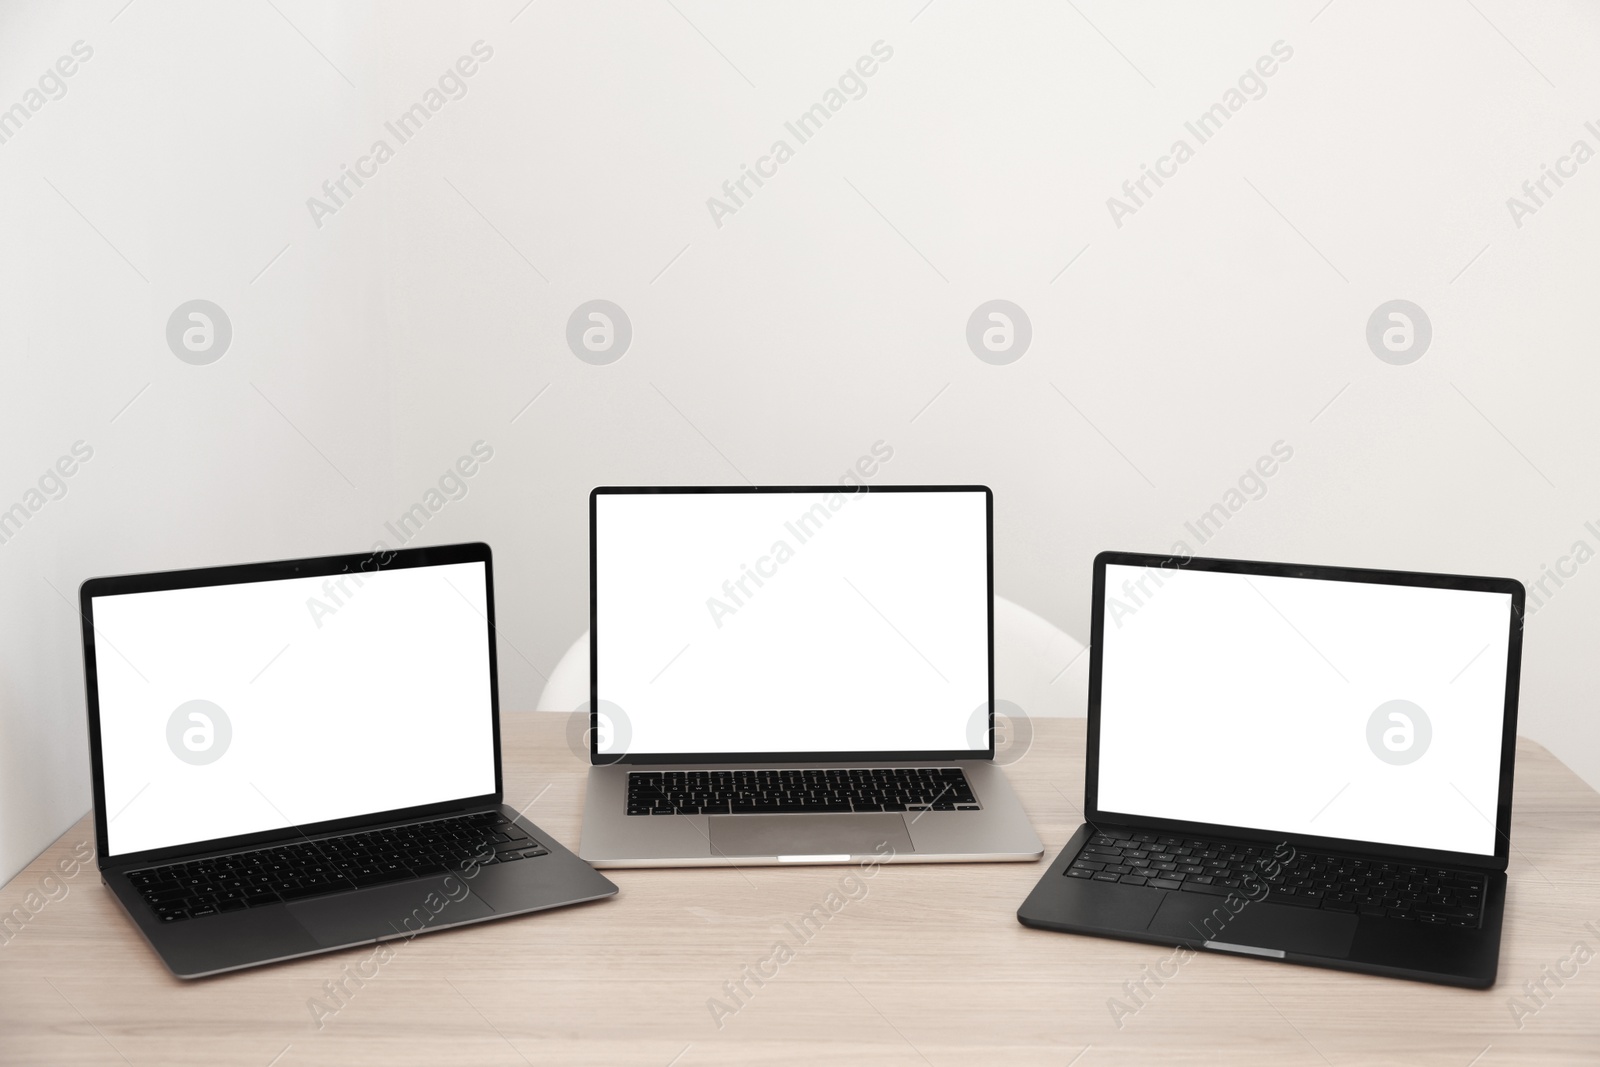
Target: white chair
(1037, 667)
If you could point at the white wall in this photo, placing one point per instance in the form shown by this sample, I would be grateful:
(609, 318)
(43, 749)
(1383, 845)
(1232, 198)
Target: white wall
(823, 316)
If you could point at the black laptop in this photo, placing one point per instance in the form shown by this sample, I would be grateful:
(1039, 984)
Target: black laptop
(296, 757)
(1298, 763)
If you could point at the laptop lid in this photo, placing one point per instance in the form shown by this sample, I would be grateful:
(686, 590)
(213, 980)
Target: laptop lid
(1343, 708)
(791, 624)
(238, 705)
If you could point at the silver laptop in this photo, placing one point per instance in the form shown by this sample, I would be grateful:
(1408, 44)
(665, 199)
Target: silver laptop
(300, 756)
(799, 674)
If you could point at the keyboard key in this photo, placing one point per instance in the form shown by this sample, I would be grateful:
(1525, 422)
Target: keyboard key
(1164, 883)
(1133, 879)
(1446, 913)
(296, 892)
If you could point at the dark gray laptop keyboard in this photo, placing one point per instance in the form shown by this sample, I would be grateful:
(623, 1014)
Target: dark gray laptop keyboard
(1332, 883)
(762, 792)
(178, 891)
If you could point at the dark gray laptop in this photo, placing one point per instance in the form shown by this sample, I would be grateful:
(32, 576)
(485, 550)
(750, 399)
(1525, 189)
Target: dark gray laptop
(302, 756)
(1297, 763)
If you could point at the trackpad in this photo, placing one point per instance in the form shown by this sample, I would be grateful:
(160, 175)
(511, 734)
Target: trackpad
(1255, 929)
(384, 911)
(836, 837)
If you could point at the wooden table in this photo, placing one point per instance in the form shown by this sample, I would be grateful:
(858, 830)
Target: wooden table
(920, 965)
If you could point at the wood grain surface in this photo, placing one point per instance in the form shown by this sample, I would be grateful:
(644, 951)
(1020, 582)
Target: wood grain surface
(914, 965)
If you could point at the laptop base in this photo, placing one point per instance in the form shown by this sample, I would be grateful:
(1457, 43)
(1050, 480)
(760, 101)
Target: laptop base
(998, 832)
(1237, 925)
(230, 941)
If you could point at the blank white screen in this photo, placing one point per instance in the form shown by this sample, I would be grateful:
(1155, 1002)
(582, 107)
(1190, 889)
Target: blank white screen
(382, 704)
(870, 635)
(1245, 701)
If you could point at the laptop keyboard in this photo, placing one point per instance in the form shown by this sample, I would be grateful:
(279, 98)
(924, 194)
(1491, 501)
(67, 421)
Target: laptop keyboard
(1376, 888)
(178, 891)
(786, 792)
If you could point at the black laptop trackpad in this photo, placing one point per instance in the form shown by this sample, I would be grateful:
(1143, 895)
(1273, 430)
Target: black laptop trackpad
(1268, 929)
(809, 835)
(388, 910)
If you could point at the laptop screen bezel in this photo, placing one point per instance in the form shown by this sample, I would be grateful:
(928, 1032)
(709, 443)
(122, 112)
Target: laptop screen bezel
(378, 560)
(596, 758)
(1508, 741)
